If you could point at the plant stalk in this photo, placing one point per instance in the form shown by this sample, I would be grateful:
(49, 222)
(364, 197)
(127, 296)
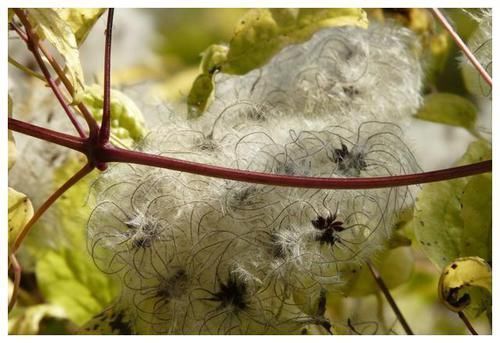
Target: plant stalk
(462, 46)
(381, 284)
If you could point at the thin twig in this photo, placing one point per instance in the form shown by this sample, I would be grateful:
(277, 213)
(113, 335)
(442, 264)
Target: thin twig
(462, 46)
(26, 70)
(106, 108)
(33, 46)
(381, 284)
(92, 124)
(41, 210)
(16, 269)
(467, 323)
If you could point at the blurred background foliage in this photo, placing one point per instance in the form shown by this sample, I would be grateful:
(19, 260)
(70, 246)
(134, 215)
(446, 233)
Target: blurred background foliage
(158, 53)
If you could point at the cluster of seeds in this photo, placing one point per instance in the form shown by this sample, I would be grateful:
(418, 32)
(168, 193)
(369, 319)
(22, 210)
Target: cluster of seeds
(200, 255)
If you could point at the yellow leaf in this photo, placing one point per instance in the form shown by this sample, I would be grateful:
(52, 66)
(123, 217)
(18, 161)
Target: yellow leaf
(59, 33)
(460, 274)
(20, 212)
(261, 33)
(81, 20)
(127, 121)
(258, 36)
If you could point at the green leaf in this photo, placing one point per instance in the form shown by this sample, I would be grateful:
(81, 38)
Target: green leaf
(394, 265)
(458, 276)
(127, 121)
(450, 109)
(26, 320)
(20, 212)
(200, 95)
(69, 279)
(81, 20)
(261, 33)
(59, 33)
(477, 217)
(258, 36)
(447, 222)
(67, 276)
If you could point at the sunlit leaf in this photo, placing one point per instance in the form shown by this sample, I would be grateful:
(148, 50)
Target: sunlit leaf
(59, 33)
(258, 36)
(445, 220)
(26, 320)
(69, 266)
(450, 109)
(458, 276)
(20, 212)
(261, 33)
(127, 122)
(81, 20)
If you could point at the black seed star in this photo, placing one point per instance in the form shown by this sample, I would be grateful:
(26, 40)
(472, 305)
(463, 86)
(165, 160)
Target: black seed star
(329, 228)
(234, 293)
(349, 161)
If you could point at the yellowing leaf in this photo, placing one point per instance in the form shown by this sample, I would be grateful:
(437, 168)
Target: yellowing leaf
(459, 275)
(81, 20)
(26, 321)
(258, 36)
(127, 122)
(69, 266)
(448, 222)
(477, 217)
(450, 109)
(20, 212)
(59, 33)
(261, 33)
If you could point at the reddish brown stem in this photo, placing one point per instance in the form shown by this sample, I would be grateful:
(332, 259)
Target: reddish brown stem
(68, 141)
(388, 296)
(460, 43)
(16, 270)
(467, 323)
(32, 44)
(113, 154)
(41, 210)
(108, 153)
(92, 124)
(106, 110)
